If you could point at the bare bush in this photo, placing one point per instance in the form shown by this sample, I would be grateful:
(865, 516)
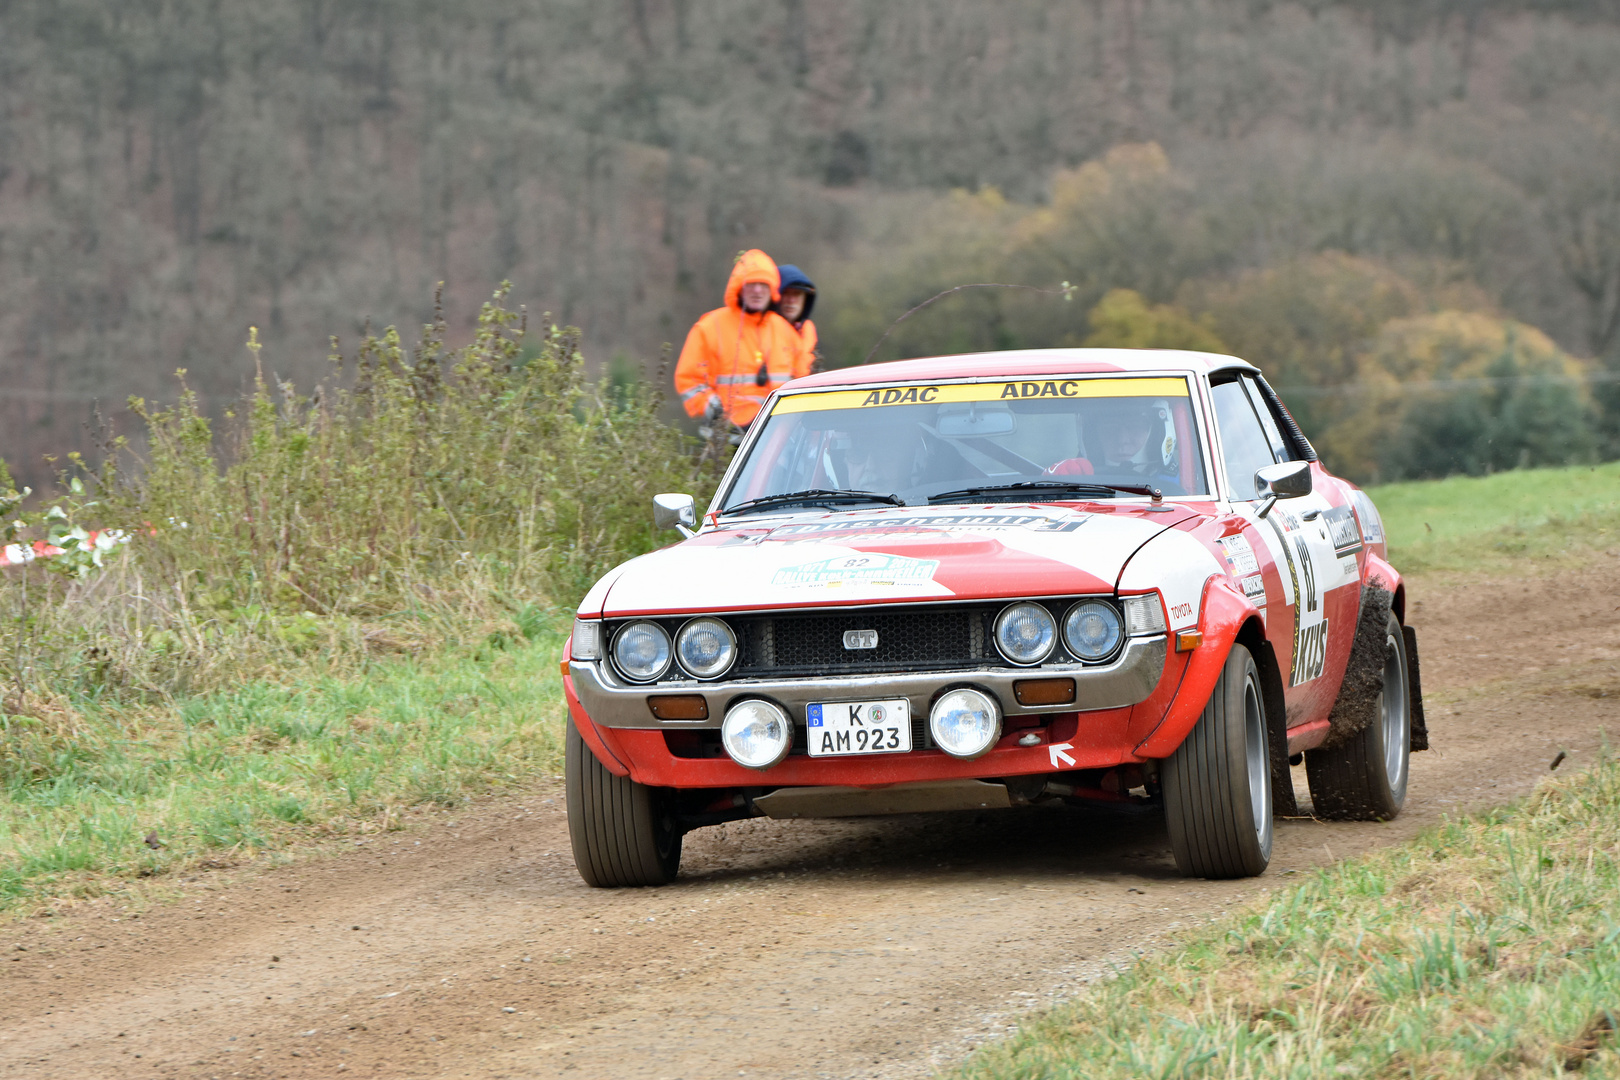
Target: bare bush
(417, 496)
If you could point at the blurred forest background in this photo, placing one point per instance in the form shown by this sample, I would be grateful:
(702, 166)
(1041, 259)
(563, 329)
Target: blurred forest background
(1406, 211)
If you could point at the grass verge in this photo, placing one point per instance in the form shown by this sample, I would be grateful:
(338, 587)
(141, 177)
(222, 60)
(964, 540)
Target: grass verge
(1469, 523)
(1488, 947)
(233, 774)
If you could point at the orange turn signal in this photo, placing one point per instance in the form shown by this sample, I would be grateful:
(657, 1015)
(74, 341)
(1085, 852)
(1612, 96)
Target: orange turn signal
(679, 706)
(1044, 691)
(1188, 640)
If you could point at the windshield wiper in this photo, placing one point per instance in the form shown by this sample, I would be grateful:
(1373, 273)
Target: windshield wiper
(813, 496)
(1041, 487)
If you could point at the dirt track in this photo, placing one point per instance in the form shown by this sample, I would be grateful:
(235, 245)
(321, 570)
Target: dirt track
(805, 949)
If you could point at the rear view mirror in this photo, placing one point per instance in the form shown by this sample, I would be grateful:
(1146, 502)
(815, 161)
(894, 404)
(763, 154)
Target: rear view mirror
(1286, 480)
(973, 421)
(674, 511)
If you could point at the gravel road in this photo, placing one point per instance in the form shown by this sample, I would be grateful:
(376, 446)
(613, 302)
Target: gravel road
(468, 947)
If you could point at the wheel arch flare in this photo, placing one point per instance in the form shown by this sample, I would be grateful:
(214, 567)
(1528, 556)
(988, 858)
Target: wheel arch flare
(1224, 612)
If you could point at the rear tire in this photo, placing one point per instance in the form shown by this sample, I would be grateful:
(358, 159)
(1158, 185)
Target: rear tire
(1365, 777)
(623, 833)
(1217, 785)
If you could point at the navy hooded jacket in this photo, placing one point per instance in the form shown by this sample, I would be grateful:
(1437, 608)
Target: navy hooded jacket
(794, 278)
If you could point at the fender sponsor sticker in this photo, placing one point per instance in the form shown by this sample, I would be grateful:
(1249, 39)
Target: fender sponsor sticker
(999, 390)
(851, 570)
(1239, 555)
(1245, 567)
(1342, 530)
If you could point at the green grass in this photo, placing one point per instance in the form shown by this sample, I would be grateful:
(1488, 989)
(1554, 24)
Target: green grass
(1489, 947)
(264, 767)
(1470, 523)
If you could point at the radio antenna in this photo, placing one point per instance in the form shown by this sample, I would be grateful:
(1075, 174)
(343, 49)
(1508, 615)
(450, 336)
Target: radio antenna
(1065, 290)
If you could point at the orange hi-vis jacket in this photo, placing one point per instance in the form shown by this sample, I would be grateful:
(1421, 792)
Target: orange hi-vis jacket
(807, 334)
(727, 347)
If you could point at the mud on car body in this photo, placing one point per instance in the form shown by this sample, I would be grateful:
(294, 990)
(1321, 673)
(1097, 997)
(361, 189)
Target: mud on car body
(990, 580)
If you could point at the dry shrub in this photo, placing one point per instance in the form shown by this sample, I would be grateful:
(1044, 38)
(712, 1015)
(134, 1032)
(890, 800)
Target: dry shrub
(1591, 1040)
(419, 499)
(47, 712)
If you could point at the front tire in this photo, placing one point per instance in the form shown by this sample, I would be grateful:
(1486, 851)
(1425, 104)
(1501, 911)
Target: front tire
(1364, 778)
(1217, 785)
(623, 833)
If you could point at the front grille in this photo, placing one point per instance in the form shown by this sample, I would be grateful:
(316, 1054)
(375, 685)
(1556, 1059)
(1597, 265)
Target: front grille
(909, 639)
(923, 637)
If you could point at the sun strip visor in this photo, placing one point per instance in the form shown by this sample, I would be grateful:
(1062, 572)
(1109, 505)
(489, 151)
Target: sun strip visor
(1000, 390)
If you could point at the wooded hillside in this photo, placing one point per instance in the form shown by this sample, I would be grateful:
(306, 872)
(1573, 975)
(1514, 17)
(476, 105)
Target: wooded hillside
(172, 171)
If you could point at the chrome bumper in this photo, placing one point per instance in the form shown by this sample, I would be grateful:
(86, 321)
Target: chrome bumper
(614, 703)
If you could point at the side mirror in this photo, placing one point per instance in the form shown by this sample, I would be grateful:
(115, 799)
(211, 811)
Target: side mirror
(1286, 480)
(674, 511)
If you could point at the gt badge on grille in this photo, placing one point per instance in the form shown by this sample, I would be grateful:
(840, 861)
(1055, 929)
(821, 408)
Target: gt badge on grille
(860, 639)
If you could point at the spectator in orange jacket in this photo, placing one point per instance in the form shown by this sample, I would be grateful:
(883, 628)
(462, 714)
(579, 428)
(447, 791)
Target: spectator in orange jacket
(798, 299)
(736, 355)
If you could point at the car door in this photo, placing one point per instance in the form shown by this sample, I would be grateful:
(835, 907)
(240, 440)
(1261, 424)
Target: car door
(1311, 634)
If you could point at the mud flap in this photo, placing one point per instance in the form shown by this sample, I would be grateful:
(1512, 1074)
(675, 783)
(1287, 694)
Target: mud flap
(1420, 727)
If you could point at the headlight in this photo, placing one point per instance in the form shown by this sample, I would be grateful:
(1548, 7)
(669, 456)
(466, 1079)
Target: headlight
(757, 734)
(1025, 633)
(965, 723)
(587, 640)
(706, 648)
(1092, 630)
(641, 650)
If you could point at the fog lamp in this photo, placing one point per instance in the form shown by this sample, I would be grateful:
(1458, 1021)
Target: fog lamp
(965, 723)
(757, 734)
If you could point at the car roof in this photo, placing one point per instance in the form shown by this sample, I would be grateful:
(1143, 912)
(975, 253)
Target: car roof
(1025, 362)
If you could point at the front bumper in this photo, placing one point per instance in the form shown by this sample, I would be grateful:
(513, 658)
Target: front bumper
(613, 703)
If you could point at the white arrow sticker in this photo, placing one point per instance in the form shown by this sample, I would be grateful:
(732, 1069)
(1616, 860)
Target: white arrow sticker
(1056, 751)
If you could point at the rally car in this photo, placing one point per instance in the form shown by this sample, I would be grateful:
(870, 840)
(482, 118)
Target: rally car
(1094, 575)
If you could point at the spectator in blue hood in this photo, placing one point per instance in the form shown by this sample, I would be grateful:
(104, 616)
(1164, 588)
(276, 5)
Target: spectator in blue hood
(798, 297)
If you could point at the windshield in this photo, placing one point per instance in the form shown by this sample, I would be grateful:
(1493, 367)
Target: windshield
(950, 441)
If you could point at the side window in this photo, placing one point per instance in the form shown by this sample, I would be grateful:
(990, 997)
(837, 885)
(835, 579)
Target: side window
(1243, 440)
(1274, 435)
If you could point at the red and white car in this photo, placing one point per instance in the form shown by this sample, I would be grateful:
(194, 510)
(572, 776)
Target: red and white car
(990, 580)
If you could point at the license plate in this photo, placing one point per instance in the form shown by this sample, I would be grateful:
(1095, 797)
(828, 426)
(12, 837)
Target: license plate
(840, 728)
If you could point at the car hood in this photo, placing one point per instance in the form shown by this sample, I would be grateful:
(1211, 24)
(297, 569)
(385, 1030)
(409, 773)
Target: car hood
(892, 555)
